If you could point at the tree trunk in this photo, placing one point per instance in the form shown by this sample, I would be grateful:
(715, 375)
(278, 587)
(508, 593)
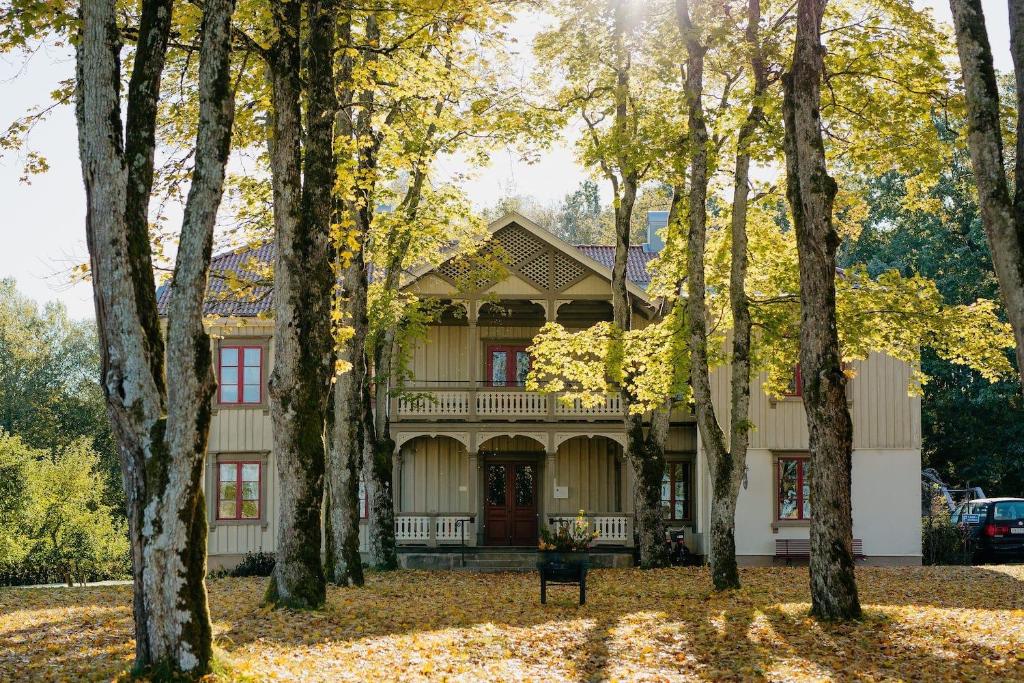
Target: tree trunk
(381, 527)
(645, 451)
(727, 462)
(1003, 219)
(811, 191)
(161, 433)
(348, 441)
(722, 547)
(303, 283)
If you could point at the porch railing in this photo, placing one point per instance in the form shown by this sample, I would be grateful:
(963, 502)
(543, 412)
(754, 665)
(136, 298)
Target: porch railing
(434, 528)
(613, 528)
(498, 402)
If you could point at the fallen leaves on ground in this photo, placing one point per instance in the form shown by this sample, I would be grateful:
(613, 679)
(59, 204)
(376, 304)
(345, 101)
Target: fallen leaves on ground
(927, 624)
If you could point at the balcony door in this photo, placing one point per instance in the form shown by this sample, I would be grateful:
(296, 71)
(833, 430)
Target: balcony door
(507, 365)
(510, 503)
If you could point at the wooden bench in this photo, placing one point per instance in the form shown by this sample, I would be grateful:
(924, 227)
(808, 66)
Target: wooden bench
(790, 549)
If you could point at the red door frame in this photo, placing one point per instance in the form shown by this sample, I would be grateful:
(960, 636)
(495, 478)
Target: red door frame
(511, 524)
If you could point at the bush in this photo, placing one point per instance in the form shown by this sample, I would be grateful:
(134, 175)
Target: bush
(257, 563)
(54, 524)
(941, 541)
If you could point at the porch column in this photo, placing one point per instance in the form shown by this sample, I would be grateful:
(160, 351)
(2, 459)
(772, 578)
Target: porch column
(476, 499)
(396, 479)
(472, 353)
(550, 480)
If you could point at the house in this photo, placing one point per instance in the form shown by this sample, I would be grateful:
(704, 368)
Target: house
(483, 463)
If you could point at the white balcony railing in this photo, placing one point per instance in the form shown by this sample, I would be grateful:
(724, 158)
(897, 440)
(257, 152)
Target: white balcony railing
(611, 406)
(432, 529)
(505, 403)
(435, 404)
(499, 402)
(612, 528)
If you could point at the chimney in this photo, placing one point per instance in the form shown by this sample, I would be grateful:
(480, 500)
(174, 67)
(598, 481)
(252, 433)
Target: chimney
(656, 220)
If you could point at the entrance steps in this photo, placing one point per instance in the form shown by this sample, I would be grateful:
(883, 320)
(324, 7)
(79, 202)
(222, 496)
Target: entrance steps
(497, 559)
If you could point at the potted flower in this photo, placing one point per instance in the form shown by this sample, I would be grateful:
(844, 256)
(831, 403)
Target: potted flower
(563, 551)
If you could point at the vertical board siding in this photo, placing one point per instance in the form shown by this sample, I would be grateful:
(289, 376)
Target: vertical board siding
(243, 431)
(884, 414)
(442, 356)
(588, 467)
(434, 473)
(682, 439)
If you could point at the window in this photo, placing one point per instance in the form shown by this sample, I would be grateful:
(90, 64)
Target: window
(675, 491)
(240, 374)
(794, 489)
(364, 501)
(239, 486)
(796, 383)
(507, 365)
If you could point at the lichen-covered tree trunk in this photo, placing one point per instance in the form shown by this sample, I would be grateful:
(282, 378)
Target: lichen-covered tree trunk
(381, 527)
(303, 283)
(727, 462)
(1002, 217)
(161, 432)
(348, 440)
(811, 192)
(722, 545)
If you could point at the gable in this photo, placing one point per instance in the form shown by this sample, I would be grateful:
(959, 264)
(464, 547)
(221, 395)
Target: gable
(524, 259)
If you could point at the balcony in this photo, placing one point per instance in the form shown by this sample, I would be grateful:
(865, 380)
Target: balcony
(440, 402)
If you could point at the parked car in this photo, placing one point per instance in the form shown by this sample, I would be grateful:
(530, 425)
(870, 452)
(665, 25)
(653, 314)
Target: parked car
(995, 526)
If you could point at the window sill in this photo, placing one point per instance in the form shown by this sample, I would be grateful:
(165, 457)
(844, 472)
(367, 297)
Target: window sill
(265, 407)
(239, 522)
(783, 523)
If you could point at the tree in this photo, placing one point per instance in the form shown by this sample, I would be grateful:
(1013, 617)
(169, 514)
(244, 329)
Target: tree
(727, 461)
(811, 192)
(597, 48)
(49, 394)
(579, 217)
(303, 175)
(53, 521)
(1002, 216)
(972, 429)
(161, 429)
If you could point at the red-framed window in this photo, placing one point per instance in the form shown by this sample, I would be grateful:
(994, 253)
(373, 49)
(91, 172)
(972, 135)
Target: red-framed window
(793, 488)
(239, 489)
(240, 374)
(675, 491)
(796, 383)
(507, 365)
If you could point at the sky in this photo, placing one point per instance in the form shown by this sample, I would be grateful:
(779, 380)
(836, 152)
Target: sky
(42, 229)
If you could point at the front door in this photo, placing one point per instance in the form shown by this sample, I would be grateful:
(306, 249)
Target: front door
(510, 505)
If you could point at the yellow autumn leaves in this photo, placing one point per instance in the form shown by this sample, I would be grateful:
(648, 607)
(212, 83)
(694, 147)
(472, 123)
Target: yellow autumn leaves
(929, 624)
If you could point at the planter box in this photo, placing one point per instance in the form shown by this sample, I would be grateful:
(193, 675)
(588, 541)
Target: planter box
(564, 568)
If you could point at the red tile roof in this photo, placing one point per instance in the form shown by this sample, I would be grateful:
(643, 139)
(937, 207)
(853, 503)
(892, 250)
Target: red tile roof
(248, 266)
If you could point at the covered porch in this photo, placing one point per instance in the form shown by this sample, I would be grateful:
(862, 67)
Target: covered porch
(498, 489)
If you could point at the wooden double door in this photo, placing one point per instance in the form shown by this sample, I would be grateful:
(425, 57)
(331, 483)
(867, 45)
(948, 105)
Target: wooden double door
(510, 503)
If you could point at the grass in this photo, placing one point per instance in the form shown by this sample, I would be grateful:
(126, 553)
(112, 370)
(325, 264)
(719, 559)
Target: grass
(929, 624)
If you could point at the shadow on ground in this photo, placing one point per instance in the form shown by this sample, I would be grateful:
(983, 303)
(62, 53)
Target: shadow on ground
(919, 624)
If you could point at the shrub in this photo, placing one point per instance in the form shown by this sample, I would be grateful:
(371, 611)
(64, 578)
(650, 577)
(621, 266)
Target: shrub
(941, 541)
(54, 524)
(257, 563)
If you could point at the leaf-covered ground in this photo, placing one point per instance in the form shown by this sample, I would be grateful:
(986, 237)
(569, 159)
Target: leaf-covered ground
(927, 624)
